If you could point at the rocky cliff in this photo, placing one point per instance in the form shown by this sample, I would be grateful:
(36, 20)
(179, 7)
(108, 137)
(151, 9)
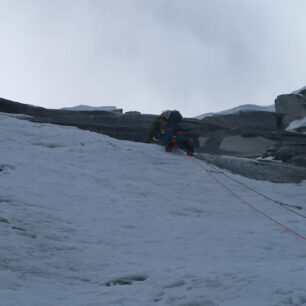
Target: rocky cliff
(247, 134)
(291, 106)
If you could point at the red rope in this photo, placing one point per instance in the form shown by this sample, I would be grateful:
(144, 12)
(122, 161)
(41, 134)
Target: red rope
(247, 203)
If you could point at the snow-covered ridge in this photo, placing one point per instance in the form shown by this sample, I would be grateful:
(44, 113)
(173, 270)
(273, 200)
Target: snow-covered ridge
(90, 108)
(300, 91)
(241, 108)
(91, 220)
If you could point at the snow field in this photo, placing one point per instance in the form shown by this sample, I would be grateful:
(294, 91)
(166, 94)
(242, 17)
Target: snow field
(97, 221)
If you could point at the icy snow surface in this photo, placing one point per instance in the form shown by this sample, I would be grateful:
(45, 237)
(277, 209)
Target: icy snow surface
(90, 220)
(296, 124)
(90, 108)
(241, 108)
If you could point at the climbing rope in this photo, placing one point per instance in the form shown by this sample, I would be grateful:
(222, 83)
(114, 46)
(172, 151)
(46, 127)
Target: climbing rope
(242, 200)
(280, 203)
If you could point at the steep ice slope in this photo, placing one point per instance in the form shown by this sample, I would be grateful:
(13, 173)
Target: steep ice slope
(91, 220)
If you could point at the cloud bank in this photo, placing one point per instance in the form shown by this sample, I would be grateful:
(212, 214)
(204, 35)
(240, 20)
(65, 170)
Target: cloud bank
(196, 56)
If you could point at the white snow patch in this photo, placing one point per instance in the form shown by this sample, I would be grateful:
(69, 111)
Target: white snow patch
(298, 92)
(241, 108)
(269, 158)
(90, 108)
(296, 124)
(92, 220)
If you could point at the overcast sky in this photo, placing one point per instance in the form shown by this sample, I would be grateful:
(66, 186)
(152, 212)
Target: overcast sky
(196, 56)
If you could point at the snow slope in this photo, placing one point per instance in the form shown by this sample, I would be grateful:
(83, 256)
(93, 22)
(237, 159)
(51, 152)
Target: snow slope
(90, 108)
(88, 213)
(241, 108)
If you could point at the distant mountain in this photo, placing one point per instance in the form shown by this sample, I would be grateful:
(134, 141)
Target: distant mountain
(90, 108)
(241, 108)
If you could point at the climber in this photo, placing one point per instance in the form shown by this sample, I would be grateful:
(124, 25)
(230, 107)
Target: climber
(167, 129)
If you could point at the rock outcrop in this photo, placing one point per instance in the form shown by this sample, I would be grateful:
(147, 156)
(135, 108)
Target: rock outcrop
(291, 107)
(130, 126)
(246, 134)
(289, 150)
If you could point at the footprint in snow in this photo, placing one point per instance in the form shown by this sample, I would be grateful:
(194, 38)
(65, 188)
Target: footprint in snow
(176, 284)
(6, 167)
(126, 280)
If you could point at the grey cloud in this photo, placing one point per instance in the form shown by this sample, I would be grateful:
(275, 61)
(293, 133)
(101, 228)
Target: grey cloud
(197, 56)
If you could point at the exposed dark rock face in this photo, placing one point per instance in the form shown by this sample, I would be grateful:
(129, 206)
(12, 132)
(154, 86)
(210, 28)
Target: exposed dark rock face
(245, 119)
(129, 126)
(292, 147)
(242, 134)
(291, 107)
(246, 134)
(272, 171)
(8, 106)
(294, 153)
